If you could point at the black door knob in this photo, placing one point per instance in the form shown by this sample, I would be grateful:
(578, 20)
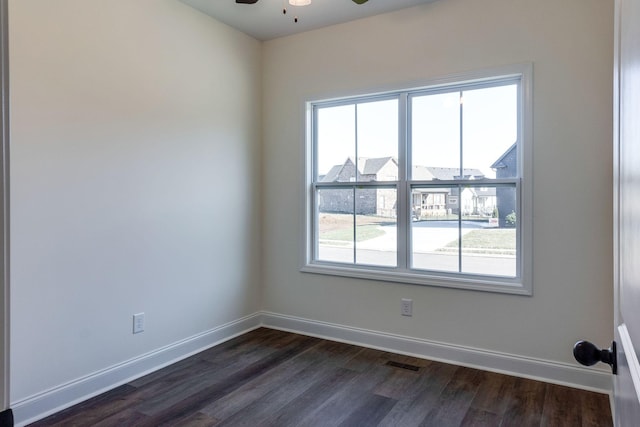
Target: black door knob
(588, 354)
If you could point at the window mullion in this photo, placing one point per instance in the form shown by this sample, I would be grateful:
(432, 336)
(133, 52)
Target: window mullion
(403, 240)
(355, 174)
(459, 229)
(355, 161)
(315, 230)
(354, 225)
(315, 206)
(461, 130)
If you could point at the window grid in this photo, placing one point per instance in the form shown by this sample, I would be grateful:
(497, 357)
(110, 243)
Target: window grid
(404, 187)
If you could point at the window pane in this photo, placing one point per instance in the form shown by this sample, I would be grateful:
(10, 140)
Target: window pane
(336, 144)
(335, 225)
(434, 225)
(489, 241)
(490, 129)
(376, 226)
(489, 252)
(483, 241)
(435, 136)
(378, 140)
(362, 137)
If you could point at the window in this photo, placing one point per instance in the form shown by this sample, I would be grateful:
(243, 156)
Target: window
(429, 186)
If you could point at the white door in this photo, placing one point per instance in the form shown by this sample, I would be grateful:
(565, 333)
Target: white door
(627, 211)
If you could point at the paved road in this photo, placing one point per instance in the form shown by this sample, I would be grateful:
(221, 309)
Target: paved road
(480, 264)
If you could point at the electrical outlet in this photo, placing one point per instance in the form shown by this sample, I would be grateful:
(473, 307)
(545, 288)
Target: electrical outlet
(138, 323)
(406, 307)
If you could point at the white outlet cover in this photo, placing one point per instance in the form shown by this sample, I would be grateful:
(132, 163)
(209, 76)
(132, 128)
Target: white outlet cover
(138, 323)
(406, 307)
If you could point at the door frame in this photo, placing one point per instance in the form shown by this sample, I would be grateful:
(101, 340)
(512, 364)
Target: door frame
(4, 212)
(616, 186)
(626, 355)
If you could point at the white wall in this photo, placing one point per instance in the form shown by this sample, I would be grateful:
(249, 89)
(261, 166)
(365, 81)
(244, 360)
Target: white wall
(570, 45)
(135, 164)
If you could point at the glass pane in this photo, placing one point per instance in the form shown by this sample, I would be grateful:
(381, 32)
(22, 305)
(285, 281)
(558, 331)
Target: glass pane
(489, 242)
(336, 144)
(434, 226)
(378, 140)
(435, 136)
(335, 225)
(376, 226)
(490, 130)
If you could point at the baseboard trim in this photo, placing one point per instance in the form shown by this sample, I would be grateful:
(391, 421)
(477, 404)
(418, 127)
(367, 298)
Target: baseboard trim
(43, 404)
(51, 401)
(526, 367)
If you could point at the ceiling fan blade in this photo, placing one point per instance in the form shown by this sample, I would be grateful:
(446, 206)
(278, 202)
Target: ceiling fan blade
(246, 1)
(360, 1)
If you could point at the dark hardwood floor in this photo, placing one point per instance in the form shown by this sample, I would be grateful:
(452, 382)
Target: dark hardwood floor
(273, 378)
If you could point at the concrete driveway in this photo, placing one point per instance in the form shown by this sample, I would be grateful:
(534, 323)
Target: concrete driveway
(428, 236)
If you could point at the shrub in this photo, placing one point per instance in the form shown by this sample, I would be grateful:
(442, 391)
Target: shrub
(495, 213)
(510, 220)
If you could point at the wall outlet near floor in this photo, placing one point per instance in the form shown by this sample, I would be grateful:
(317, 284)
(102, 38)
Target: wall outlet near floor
(138, 323)
(406, 307)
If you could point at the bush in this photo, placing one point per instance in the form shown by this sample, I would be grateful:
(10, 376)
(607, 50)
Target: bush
(495, 213)
(510, 220)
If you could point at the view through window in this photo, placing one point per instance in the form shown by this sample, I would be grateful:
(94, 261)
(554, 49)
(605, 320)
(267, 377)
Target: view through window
(420, 182)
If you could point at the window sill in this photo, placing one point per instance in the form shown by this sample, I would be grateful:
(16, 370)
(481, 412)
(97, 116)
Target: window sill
(468, 282)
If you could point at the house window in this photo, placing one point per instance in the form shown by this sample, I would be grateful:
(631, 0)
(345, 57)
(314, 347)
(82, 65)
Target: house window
(429, 186)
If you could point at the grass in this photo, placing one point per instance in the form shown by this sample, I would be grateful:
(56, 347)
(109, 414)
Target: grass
(488, 240)
(363, 232)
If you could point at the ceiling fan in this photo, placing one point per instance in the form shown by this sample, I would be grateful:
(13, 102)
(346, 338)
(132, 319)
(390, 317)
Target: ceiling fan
(294, 3)
(255, 1)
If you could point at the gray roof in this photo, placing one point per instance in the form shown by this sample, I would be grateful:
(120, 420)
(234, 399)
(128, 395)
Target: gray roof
(333, 174)
(485, 191)
(373, 166)
(337, 170)
(450, 174)
(499, 164)
(365, 165)
(420, 173)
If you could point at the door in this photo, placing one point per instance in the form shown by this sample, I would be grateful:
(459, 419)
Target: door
(627, 211)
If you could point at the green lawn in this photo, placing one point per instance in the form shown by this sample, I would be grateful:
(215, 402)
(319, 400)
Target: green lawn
(363, 232)
(487, 239)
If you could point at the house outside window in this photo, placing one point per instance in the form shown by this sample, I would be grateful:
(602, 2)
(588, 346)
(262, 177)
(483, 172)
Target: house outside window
(428, 186)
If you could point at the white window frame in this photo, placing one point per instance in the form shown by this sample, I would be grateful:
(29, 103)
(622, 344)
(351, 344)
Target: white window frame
(522, 283)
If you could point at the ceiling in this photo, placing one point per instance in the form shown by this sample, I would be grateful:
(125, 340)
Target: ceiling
(265, 20)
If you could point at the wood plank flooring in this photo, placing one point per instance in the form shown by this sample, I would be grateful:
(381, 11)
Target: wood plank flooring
(273, 378)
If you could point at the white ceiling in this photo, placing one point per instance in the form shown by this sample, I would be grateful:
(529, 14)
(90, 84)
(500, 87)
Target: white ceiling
(265, 20)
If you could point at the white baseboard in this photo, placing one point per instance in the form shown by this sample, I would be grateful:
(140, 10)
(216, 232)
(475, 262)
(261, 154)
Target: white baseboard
(48, 402)
(552, 372)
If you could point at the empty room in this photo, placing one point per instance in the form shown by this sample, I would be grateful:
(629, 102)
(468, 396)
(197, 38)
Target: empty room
(335, 212)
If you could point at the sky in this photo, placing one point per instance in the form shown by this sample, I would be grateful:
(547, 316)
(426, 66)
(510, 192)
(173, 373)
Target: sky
(489, 118)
